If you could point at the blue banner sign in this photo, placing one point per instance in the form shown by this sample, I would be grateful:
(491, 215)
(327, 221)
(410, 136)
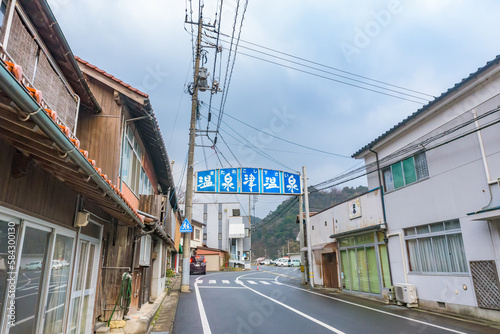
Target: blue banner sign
(291, 183)
(248, 181)
(206, 181)
(271, 181)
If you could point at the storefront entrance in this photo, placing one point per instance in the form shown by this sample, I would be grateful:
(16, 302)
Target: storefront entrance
(364, 263)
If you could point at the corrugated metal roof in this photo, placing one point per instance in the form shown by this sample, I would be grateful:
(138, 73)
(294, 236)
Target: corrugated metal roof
(428, 106)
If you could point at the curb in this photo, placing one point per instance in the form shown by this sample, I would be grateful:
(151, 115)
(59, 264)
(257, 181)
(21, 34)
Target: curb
(165, 316)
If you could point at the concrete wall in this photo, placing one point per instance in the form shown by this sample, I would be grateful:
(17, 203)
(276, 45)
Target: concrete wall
(457, 185)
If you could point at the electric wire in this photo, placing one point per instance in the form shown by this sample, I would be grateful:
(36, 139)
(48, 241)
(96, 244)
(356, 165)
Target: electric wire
(372, 167)
(215, 62)
(224, 97)
(282, 139)
(330, 67)
(227, 65)
(331, 79)
(253, 147)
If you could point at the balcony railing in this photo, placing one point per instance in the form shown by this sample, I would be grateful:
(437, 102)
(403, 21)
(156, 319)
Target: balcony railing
(22, 45)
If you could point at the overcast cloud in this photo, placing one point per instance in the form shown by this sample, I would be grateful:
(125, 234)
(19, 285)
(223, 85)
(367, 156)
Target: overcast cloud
(424, 45)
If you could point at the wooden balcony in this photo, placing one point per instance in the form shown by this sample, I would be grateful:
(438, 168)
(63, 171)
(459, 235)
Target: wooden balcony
(23, 46)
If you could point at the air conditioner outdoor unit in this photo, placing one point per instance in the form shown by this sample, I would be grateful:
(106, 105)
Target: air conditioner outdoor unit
(406, 294)
(82, 219)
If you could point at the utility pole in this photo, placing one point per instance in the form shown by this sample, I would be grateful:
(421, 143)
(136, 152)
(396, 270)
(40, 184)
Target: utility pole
(302, 255)
(308, 226)
(186, 255)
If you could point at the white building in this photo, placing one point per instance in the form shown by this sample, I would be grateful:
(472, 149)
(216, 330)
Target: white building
(440, 170)
(348, 248)
(224, 228)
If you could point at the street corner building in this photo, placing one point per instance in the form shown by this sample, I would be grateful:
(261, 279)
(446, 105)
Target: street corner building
(89, 221)
(428, 233)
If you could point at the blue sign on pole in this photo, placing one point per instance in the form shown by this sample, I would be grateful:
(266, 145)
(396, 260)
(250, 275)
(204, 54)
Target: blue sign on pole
(206, 181)
(271, 181)
(228, 180)
(250, 180)
(186, 227)
(291, 183)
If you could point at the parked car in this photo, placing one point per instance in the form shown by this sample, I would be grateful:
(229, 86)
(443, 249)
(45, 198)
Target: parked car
(64, 263)
(282, 262)
(266, 262)
(56, 264)
(198, 265)
(36, 265)
(294, 263)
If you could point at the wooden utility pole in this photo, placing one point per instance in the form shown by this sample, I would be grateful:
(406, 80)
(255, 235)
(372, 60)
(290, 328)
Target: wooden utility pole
(302, 243)
(308, 227)
(186, 254)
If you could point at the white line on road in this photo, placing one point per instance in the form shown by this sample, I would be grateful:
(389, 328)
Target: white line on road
(220, 287)
(265, 283)
(199, 282)
(376, 310)
(212, 281)
(330, 328)
(225, 281)
(251, 282)
(201, 309)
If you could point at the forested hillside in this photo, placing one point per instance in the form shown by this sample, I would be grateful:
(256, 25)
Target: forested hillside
(276, 234)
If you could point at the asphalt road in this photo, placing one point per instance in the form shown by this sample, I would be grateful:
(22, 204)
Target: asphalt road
(272, 300)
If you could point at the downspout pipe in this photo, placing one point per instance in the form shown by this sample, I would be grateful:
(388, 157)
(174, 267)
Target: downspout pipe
(69, 54)
(386, 236)
(25, 102)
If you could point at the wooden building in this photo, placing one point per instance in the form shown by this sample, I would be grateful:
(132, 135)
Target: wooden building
(79, 206)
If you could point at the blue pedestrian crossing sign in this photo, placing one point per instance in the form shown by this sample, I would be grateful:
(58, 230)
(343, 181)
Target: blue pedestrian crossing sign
(186, 227)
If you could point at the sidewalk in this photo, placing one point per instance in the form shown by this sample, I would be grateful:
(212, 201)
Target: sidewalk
(164, 319)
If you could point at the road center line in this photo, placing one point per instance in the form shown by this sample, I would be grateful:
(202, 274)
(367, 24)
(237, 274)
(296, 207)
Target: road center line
(376, 310)
(201, 309)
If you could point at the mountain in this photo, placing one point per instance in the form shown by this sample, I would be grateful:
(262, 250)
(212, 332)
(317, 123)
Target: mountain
(276, 234)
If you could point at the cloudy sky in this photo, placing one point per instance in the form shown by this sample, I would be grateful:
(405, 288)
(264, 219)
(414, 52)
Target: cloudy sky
(426, 46)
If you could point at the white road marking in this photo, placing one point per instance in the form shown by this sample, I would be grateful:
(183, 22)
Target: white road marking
(220, 287)
(238, 282)
(251, 282)
(265, 283)
(376, 310)
(225, 281)
(201, 309)
(330, 328)
(212, 281)
(199, 282)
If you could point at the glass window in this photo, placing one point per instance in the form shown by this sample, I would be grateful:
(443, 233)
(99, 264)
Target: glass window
(437, 250)
(364, 239)
(405, 172)
(384, 265)
(346, 282)
(58, 286)
(8, 252)
(220, 236)
(3, 7)
(30, 283)
(131, 168)
(197, 234)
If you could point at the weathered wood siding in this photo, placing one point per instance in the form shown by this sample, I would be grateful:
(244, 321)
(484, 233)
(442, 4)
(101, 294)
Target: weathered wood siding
(118, 251)
(100, 134)
(38, 193)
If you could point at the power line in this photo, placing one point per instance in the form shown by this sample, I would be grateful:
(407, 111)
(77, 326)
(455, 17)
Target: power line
(284, 140)
(332, 68)
(414, 147)
(337, 75)
(331, 79)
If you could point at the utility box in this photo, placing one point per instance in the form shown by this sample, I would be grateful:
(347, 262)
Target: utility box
(406, 294)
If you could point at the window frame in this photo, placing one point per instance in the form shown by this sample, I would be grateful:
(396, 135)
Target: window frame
(388, 173)
(132, 170)
(432, 236)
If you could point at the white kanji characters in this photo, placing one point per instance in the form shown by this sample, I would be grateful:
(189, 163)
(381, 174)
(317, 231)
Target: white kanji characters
(250, 181)
(205, 182)
(228, 182)
(270, 183)
(292, 184)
